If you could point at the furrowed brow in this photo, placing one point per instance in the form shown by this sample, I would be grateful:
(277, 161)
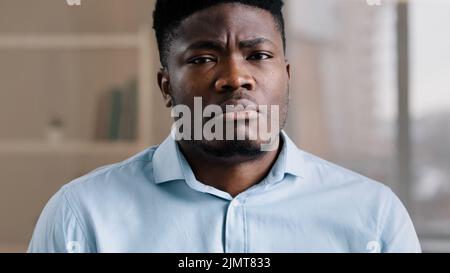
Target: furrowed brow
(205, 45)
(254, 42)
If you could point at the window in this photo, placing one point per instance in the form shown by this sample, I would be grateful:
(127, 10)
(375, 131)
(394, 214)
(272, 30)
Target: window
(430, 116)
(371, 92)
(344, 83)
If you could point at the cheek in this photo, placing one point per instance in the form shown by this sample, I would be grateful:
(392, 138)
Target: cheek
(188, 86)
(275, 86)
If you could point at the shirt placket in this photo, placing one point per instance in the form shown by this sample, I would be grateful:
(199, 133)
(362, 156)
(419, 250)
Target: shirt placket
(235, 226)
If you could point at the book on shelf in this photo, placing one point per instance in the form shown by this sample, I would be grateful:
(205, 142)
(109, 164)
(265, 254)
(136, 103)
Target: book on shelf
(127, 122)
(117, 113)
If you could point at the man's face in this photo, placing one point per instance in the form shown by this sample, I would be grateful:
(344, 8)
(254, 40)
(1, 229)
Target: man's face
(228, 54)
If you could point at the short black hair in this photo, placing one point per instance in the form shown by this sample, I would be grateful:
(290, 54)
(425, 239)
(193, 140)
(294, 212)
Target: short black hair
(168, 15)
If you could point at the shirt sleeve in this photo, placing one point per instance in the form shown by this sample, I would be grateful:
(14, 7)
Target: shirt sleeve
(397, 231)
(58, 229)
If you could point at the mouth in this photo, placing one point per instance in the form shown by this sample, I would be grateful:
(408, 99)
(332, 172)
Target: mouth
(241, 109)
(241, 115)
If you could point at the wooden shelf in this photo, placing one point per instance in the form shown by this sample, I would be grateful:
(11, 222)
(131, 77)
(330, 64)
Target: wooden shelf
(142, 41)
(82, 156)
(69, 41)
(26, 147)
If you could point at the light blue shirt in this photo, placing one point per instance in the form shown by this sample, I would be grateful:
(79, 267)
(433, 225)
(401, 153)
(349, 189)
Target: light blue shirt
(152, 202)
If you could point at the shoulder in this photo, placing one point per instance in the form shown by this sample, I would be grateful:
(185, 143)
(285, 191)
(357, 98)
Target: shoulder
(108, 187)
(131, 170)
(367, 203)
(351, 193)
(68, 215)
(331, 176)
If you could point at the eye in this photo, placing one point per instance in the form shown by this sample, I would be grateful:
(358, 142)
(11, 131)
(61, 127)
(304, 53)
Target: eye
(259, 56)
(200, 60)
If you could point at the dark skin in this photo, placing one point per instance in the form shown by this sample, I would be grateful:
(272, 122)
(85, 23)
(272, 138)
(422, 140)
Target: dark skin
(243, 57)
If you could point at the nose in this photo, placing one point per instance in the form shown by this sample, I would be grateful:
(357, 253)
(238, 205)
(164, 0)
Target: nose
(233, 76)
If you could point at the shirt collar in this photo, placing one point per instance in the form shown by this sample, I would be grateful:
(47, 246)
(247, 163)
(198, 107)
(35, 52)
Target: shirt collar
(294, 161)
(168, 165)
(289, 161)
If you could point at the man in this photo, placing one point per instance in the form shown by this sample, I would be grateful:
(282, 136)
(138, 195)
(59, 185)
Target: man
(227, 193)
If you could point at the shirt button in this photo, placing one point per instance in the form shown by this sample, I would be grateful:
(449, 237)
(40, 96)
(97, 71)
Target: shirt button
(235, 203)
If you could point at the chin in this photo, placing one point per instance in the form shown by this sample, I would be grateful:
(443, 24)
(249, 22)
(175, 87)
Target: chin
(228, 149)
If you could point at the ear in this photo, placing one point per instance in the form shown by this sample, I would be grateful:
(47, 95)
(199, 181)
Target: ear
(164, 86)
(288, 69)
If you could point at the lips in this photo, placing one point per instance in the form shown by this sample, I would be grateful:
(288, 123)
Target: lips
(241, 115)
(239, 105)
(241, 109)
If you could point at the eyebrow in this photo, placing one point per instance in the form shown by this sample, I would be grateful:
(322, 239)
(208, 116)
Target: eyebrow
(254, 42)
(219, 46)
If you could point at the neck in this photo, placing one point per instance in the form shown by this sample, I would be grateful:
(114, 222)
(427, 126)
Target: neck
(233, 175)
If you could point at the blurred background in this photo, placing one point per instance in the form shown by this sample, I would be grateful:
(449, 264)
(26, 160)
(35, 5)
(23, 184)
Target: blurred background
(370, 91)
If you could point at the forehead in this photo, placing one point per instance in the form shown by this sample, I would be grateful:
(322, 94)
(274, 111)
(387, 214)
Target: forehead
(223, 21)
